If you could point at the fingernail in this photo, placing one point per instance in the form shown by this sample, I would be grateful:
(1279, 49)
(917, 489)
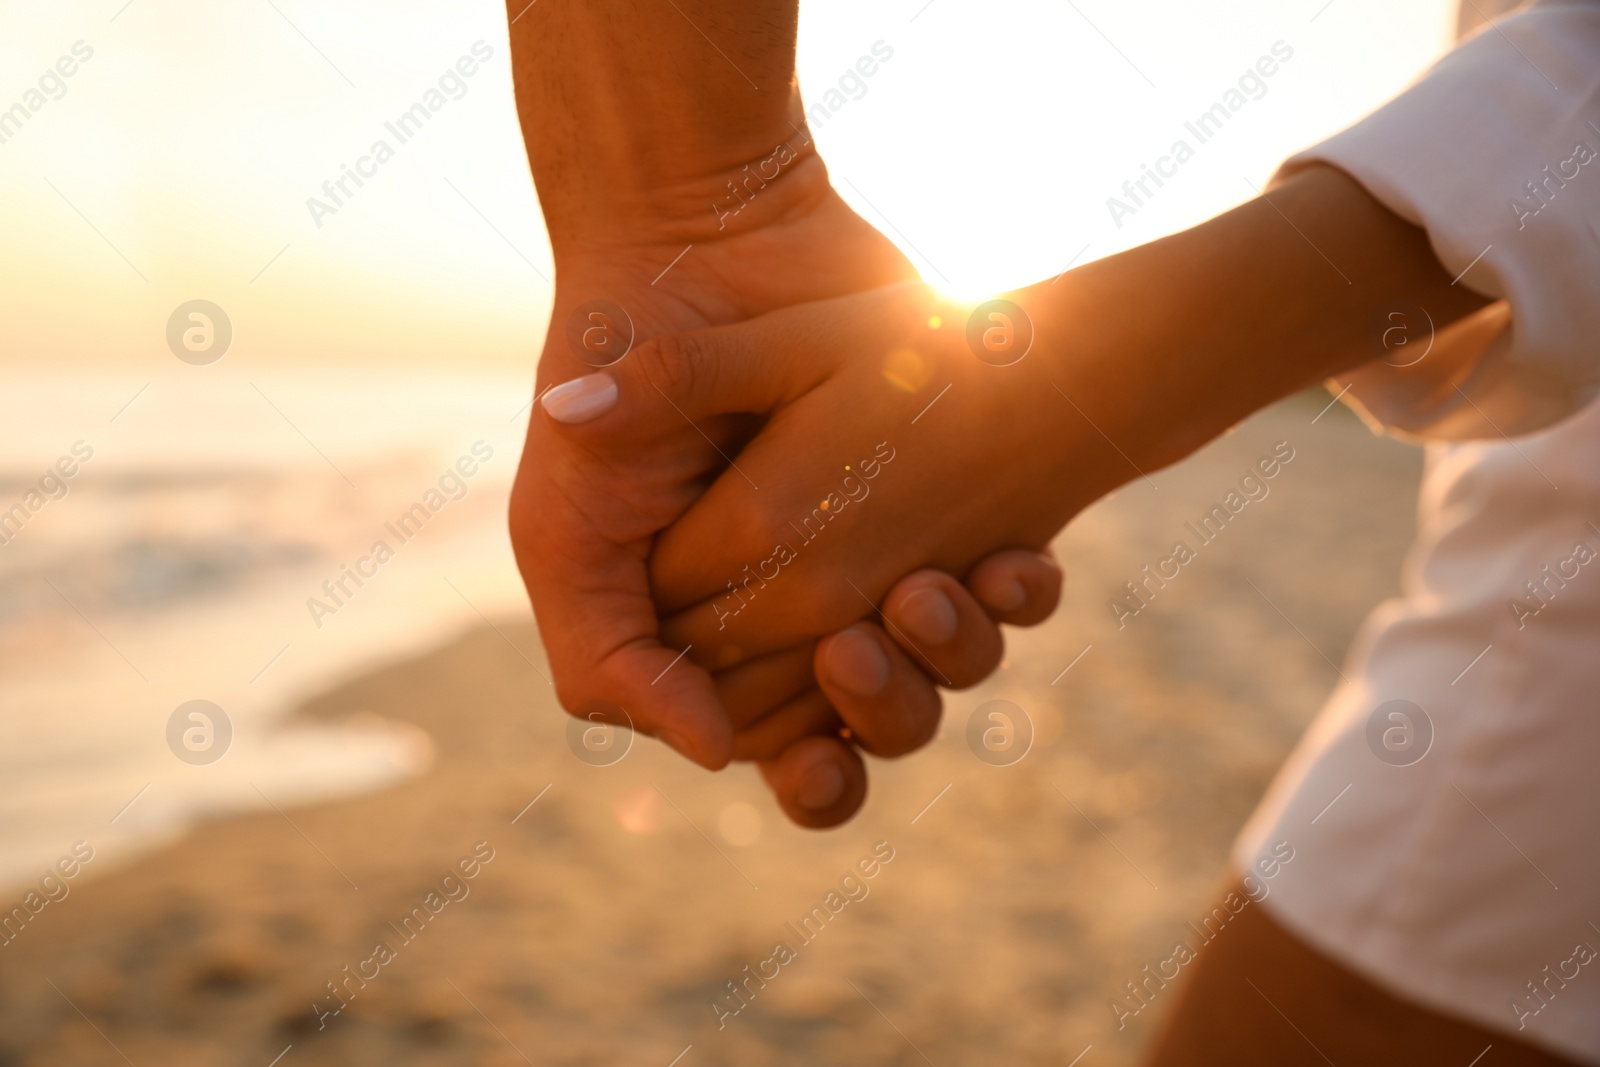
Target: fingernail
(855, 663)
(581, 399)
(928, 616)
(1009, 597)
(820, 787)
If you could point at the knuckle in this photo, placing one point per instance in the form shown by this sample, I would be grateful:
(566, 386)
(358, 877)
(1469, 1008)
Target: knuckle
(674, 364)
(920, 726)
(755, 521)
(522, 522)
(819, 610)
(570, 699)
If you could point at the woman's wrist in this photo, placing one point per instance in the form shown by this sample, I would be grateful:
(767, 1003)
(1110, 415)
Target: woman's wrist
(790, 241)
(625, 107)
(718, 201)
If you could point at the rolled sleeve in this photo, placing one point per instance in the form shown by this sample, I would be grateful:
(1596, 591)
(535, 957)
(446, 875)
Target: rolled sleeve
(1495, 152)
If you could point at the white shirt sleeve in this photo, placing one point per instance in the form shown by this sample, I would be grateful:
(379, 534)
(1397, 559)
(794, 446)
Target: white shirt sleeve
(1495, 152)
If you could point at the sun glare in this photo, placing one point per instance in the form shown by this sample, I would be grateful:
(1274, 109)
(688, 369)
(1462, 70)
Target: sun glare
(995, 149)
(999, 151)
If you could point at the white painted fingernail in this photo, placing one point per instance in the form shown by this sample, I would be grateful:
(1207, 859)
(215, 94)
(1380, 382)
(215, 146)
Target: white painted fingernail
(581, 399)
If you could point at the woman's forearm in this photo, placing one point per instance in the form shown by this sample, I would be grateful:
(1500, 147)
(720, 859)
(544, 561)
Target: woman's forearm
(635, 108)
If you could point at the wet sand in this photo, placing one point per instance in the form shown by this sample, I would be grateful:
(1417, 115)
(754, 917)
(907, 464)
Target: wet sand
(616, 908)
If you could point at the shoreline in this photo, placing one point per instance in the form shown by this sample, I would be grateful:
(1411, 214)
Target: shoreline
(615, 908)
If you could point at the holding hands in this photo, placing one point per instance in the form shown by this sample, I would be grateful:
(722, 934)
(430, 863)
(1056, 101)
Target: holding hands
(783, 548)
(812, 488)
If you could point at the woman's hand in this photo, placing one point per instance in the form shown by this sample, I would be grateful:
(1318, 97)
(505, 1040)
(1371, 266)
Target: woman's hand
(583, 523)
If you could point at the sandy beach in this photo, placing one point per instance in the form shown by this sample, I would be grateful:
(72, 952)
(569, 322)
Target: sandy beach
(608, 908)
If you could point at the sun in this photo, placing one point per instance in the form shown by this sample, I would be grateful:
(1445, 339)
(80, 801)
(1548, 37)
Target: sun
(971, 267)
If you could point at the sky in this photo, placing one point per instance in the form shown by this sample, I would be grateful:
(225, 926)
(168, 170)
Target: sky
(176, 162)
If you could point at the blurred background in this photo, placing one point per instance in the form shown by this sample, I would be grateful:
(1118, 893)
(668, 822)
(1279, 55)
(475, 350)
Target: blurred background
(345, 363)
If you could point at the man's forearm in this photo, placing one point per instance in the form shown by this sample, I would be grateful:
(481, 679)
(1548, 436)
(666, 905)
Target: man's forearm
(635, 108)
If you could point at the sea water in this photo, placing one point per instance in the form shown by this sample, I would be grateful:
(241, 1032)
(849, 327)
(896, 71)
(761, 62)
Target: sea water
(204, 517)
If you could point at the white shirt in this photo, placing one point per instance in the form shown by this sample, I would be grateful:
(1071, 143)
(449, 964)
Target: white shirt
(1468, 880)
